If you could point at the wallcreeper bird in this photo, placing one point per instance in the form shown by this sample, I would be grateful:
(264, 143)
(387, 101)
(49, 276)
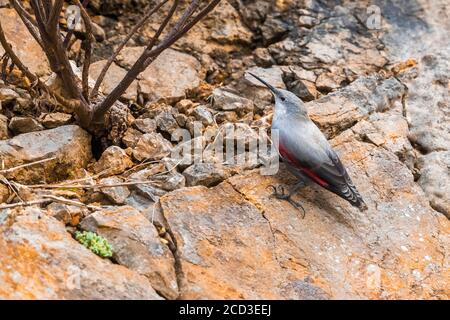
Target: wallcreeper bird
(306, 151)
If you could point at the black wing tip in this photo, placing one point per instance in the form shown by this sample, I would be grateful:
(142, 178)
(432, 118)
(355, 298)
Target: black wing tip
(361, 205)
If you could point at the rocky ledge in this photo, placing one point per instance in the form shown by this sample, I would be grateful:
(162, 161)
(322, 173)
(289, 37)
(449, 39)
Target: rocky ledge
(209, 230)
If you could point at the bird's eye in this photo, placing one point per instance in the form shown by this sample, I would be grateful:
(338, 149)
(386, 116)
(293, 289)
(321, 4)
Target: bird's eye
(283, 99)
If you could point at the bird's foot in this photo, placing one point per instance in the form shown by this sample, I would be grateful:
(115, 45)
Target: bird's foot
(279, 192)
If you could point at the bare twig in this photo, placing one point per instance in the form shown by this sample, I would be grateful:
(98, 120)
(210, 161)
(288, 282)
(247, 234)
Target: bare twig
(70, 104)
(101, 185)
(8, 49)
(53, 12)
(10, 186)
(90, 186)
(197, 18)
(142, 164)
(47, 8)
(63, 184)
(71, 31)
(38, 11)
(57, 56)
(55, 51)
(71, 202)
(47, 199)
(148, 56)
(87, 50)
(169, 41)
(26, 165)
(22, 12)
(111, 59)
(23, 204)
(162, 26)
(28, 20)
(4, 59)
(181, 22)
(44, 27)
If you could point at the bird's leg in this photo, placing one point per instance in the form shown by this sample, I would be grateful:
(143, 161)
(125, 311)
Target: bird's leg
(279, 191)
(300, 184)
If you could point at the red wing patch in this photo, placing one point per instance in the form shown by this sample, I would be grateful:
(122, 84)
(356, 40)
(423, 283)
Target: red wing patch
(293, 160)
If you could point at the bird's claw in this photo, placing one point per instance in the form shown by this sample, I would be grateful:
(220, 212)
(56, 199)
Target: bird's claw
(297, 205)
(279, 191)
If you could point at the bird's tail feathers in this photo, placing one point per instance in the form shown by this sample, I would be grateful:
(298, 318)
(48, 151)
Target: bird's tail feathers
(350, 193)
(362, 206)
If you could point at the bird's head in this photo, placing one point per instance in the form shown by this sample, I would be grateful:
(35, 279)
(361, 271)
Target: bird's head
(285, 100)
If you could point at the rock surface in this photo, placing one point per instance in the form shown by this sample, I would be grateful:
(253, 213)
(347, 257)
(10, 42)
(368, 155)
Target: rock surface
(70, 145)
(152, 146)
(162, 78)
(137, 246)
(378, 89)
(40, 260)
(4, 134)
(114, 160)
(56, 119)
(435, 179)
(342, 109)
(117, 194)
(7, 94)
(20, 125)
(226, 100)
(335, 252)
(428, 104)
(67, 214)
(205, 174)
(24, 45)
(145, 125)
(221, 32)
(112, 78)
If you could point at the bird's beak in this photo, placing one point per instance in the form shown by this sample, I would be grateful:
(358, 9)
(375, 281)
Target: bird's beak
(272, 88)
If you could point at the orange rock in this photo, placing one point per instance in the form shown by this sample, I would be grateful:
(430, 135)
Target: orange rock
(228, 250)
(403, 66)
(235, 241)
(40, 260)
(137, 246)
(24, 45)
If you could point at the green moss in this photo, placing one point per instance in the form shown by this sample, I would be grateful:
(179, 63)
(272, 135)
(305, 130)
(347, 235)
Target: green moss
(97, 244)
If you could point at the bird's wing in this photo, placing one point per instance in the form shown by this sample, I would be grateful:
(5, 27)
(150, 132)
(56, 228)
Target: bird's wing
(308, 151)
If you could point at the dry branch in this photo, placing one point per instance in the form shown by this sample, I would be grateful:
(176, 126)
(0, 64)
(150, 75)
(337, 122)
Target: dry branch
(28, 20)
(47, 199)
(89, 38)
(70, 104)
(91, 186)
(44, 27)
(71, 31)
(111, 59)
(26, 165)
(71, 202)
(23, 204)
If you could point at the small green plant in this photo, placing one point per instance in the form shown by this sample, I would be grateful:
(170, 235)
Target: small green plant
(97, 244)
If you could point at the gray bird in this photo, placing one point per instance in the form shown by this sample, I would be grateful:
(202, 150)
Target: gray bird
(306, 151)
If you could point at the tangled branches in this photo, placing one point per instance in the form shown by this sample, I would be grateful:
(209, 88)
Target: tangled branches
(85, 102)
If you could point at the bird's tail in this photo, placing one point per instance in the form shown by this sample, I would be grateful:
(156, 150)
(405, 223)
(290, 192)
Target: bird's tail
(362, 206)
(356, 200)
(349, 192)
